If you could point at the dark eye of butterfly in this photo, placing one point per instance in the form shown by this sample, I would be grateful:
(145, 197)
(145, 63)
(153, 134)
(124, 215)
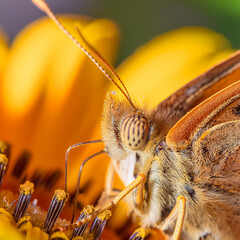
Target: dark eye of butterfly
(161, 146)
(134, 131)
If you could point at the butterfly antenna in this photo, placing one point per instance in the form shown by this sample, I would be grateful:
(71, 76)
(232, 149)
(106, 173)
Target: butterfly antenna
(107, 64)
(45, 8)
(79, 178)
(67, 156)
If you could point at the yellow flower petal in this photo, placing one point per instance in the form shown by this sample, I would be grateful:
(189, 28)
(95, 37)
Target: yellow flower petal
(43, 55)
(52, 93)
(8, 231)
(171, 60)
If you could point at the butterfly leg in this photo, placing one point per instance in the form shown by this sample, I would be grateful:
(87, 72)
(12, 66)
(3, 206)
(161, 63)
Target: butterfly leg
(108, 192)
(140, 196)
(141, 178)
(140, 188)
(179, 210)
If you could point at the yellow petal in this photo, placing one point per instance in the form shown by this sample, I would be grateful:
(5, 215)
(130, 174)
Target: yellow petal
(52, 93)
(171, 60)
(74, 95)
(42, 50)
(8, 231)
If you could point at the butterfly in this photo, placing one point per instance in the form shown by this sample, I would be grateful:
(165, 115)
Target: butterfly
(181, 160)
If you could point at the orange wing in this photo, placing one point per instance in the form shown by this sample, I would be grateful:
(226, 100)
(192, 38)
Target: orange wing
(210, 135)
(212, 132)
(181, 135)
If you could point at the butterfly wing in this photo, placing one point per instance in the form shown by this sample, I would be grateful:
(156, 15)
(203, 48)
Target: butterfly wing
(181, 135)
(211, 133)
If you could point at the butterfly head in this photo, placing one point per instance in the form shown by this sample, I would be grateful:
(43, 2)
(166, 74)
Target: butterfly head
(125, 130)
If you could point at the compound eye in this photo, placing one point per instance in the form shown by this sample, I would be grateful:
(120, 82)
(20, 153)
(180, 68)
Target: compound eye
(134, 132)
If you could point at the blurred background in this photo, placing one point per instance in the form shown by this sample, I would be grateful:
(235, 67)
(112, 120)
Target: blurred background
(139, 20)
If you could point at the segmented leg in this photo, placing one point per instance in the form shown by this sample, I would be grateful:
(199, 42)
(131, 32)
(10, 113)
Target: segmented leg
(140, 196)
(109, 193)
(179, 210)
(141, 178)
(140, 188)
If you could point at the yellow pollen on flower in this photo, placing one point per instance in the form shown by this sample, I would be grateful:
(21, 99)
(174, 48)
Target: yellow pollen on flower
(60, 195)
(105, 215)
(3, 159)
(26, 188)
(89, 209)
(141, 232)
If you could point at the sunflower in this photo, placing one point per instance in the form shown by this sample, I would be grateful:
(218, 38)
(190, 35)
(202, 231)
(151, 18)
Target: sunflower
(51, 97)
